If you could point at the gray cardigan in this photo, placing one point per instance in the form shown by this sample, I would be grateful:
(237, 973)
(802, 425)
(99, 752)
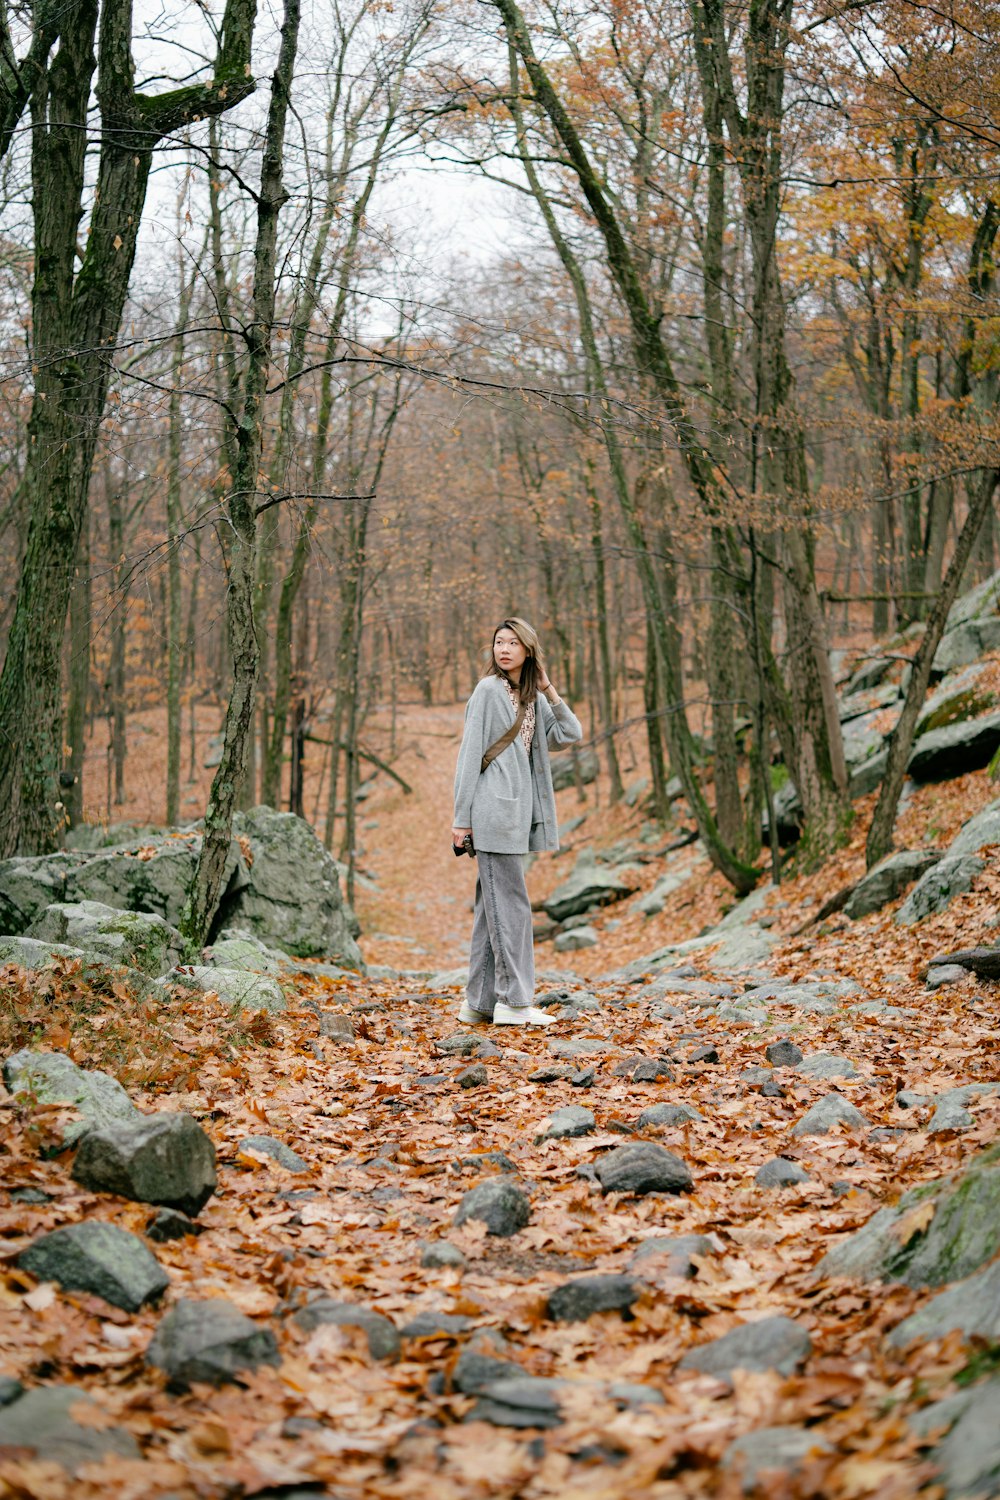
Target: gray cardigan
(510, 806)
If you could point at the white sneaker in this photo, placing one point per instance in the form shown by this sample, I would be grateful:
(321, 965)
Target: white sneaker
(472, 1017)
(521, 1015)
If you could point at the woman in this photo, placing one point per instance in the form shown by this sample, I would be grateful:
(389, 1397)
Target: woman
(508, 807)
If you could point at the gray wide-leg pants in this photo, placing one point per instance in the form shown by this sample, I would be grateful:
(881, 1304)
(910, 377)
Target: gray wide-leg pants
(502, 956)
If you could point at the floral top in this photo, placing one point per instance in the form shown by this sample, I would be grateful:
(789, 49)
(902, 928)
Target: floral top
(528, 722)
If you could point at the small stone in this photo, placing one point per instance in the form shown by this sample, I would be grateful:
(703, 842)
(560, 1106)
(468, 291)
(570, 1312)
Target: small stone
(575, 939)
(474, 1077)
(772, 1090)
(338, 1027)
(703, 1055)
(465, 1044)
(565, 1123)
(910, 1099)
(775, 1343)
(168, 1224)
(831, 1110)
(650, 1070)
(31, 1195)
(629, 1397)
(756, 1076)
(380, 1331)
(584, 1079)
(474, 1370)
(266, 1145)
(441, 1254)
(548, 1075)
(166, 1159)
(827, 1065)
(673, 1254)
(781, 1172)
(643, 1167)
(498, 1159)
(663, 1115)
(435, 1325)
(777, 1450)
(99, 1258)
(576, 1301)
(209, 1341)
(519, 1401)
(40, 1421)
(499, 1203)
(939, 975)
(783, 1054)
(10, 1389)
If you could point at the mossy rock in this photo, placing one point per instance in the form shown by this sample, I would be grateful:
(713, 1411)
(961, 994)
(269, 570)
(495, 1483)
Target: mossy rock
(137, 939)
(902, 1244)
(968, 705)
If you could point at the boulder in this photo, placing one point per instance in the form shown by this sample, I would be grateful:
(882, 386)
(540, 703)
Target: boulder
(956, 749)
(53, 1078)
(868, 775)
(655, 900)
(235, 987)
(863, 739)
(42, 1421)
(869, 674)
(574, 940)
(590, 885)
(140, 940)
(937, 889)
(888, 880)
(152, 876)
(582, 764)
(977, 832)
(951, 1112)
(828, 1112)
(771, 1450)
(499, 1203)
(966, 643)
(236, 948)
(938, 1232)
(165, 1158)
(969, 1457)
(960, 696)
(291, 898)
(576, 1301)
(776, 1343)
(643, 1167)
(977, 603)
(972, 1306)
(209, 1341)
(381, 1332)
(101, 1258)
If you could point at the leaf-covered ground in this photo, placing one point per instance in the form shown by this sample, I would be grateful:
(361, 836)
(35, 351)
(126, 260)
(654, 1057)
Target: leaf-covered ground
(393, 1141)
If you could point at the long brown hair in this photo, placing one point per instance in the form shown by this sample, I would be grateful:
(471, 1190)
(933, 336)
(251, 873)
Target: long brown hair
(534, 662)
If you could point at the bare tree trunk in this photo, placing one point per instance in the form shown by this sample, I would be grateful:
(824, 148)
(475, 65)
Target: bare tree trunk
(79, 679)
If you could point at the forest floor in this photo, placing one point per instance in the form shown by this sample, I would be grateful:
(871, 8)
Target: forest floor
(392, 1141)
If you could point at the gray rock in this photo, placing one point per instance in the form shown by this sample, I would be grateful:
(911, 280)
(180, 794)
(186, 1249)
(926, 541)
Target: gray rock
(572, 1120)
(499, 1203)
(864, 778)
(464, 1044)
(643, 1167)
(743, 1015)
(292, 898)
(140, 940)
(99, 1258)
(266, 1145)
(209, 1341)
(582, 764)
(37, 956)
(910, 1099)
(579, 1046)
(952, 1113)
(663, 1115)
(940, 1415)
(756, 1076)
(577, 1300)
(168, 1224)
(781, 1450)
(590, 885)
(234, 987)
(780, 1172)
(435, 1325)
(869, 674)
(863, 738)
(971, 1306)
(783, 1054)
(673, 1253)
(40, 1421)
(936, 890)
(776, 1343)
(828, 1065)
(10, 1389)
(473, 1078)
(977, 832)
(976, 604)
(630, 1397)
(957, 697)
(966, 643)
(519, 1401)
(969, 1456)
(828, 1112)
(380, 1331)
(236, 948)
(655, 900)
(568, 1000)
(574, 940)
(963, 1234)
(165, 1158)
(440, 1254)
(888, 880)
(339, 1028)
(940, 975)
(52, 1078)
(956, 749)
(743, 948)
(474, 1370)
(745, 911)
